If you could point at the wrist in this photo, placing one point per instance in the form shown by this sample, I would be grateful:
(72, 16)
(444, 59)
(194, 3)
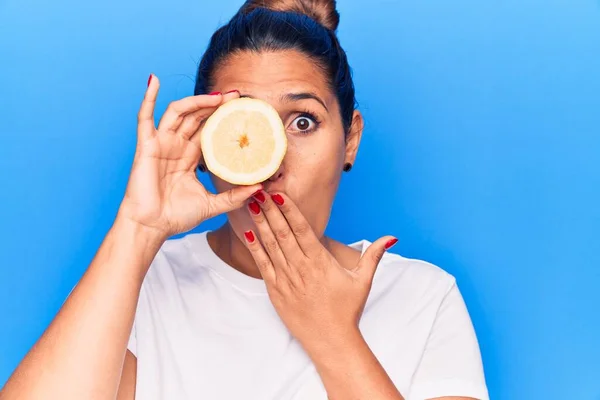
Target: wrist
(136, 242)
(126, 252)
(127, 219)
(144, 234)
(330, 346)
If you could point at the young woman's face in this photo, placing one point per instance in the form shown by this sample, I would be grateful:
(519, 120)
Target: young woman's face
(317, 146)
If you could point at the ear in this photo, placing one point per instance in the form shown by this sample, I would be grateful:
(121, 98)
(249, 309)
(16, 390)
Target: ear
(353, 137)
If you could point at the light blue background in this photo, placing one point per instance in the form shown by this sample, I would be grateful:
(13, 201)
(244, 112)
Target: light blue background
(481, 153)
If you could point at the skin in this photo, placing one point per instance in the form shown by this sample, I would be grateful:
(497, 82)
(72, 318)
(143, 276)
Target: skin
(275, 233)
(314, 161)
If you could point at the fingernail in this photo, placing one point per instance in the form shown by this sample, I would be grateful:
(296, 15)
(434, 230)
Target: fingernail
(214, 93)
(249, 236)
(390, 243)
(260, 196)
(254, 207)
(234, 90)
(149, 79)
(278, 199)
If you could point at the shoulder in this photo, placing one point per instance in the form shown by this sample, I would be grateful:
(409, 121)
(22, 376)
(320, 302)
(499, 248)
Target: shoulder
(419, 272)
(176, 260)
(409, 279)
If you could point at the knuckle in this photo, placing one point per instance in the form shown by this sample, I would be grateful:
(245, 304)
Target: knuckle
(271, 246)
(230, 198)
(376, 256)
(282, 234)
(174, 108)
(263, 264)
(267, 206)
(258, 219)
(170, 108)
(302, 229)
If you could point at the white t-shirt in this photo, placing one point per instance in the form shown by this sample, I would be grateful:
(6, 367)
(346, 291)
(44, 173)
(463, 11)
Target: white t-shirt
(204, 330)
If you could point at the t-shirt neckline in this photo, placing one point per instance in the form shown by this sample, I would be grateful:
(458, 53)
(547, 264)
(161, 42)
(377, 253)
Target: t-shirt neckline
(205, 256)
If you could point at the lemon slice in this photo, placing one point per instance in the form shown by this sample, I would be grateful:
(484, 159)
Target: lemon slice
(244, 141)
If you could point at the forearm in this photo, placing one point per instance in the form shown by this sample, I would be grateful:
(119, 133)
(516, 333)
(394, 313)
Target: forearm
(349, 369)
(81, 353)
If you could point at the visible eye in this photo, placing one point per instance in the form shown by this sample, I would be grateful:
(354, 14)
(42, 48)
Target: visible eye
(304, 123)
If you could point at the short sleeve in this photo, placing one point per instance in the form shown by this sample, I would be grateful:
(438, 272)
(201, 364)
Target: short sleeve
(451, 363)
(132, 343)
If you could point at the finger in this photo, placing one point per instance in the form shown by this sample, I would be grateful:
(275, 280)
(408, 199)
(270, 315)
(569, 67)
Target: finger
(303, 232)
(146, 126)
(177, 110)
(262, 260)
(230, 200)
(195, 136)
(279, 226)
(270, 244)
(367, 265)
(191, 122)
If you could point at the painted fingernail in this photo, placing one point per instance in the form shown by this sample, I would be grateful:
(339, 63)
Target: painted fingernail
(278, 199)
(249, 236)
(234, 90)
(260, 196)
(254, 207)
(390, 243)
(149, 79)
(214, 93)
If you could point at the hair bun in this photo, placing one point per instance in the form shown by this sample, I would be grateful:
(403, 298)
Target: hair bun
(322, 11)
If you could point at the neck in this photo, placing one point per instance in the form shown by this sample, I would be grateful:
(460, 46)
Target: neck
(229, 248)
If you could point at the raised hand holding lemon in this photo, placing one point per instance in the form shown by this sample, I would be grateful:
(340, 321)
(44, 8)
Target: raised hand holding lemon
(163, 192)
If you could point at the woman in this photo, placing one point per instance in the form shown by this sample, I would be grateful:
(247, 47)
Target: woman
(266, 307)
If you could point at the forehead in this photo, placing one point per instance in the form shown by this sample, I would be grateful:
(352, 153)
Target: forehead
(270, 74)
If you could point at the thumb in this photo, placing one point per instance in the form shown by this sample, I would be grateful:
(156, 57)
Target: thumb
(367, 265)
(231, 199)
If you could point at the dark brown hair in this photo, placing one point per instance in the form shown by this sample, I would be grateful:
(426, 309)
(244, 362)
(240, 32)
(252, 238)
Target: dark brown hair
(308, 26)
(324, 12)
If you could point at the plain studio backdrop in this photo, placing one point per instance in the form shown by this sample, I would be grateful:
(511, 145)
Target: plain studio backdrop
(481, 154)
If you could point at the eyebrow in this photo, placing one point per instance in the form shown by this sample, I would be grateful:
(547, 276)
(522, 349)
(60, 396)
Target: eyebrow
(292, 97)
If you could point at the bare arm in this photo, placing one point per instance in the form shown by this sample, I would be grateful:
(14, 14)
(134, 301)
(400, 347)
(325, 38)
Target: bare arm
(350, 370)
(128, 378)
(81, 353)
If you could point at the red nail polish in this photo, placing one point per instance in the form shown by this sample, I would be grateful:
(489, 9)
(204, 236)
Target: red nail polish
(390, 243)
(249, 236)
(254, 207)
(278, 199)
(234, 90)
(214, 93)
(260, 196)
(149, 80)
